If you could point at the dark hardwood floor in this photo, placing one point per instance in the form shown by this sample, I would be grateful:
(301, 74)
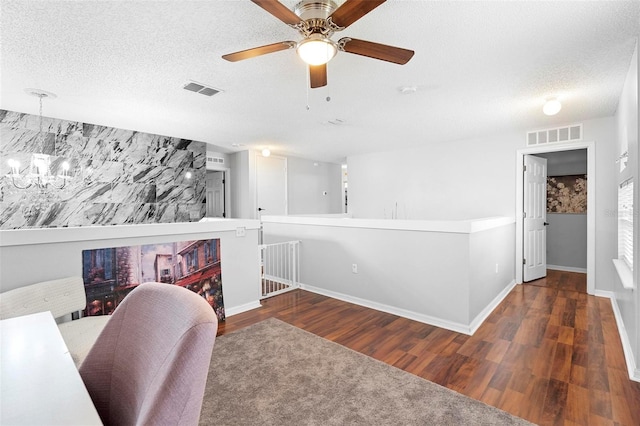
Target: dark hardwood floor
(549, 352)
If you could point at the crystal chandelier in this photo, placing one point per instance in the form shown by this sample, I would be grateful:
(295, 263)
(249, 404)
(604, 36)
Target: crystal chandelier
(39, 173)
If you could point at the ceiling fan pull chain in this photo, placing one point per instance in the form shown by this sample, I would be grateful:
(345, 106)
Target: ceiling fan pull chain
(308, 85)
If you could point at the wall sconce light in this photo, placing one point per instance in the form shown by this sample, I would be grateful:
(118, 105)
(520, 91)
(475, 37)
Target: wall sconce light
(552, 106)
(266, 152)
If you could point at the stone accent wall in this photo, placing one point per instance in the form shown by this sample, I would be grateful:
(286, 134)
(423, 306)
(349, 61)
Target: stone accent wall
(129, 177)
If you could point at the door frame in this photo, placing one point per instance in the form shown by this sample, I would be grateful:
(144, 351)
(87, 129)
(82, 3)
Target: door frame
(227, 188)
(590, 146)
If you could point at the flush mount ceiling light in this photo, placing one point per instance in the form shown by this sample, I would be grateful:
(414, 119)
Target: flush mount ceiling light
(266, 152)
(552, 106)
(316, 49)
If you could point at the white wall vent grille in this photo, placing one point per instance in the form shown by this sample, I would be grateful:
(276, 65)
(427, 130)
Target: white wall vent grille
(569, 133)
(214, 160)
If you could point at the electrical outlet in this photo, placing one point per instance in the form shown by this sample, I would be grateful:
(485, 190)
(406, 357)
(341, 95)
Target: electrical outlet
(241, 231)
(354, 268)
(496, 268)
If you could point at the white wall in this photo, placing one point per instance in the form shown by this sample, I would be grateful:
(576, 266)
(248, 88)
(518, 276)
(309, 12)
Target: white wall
(491, 266)
(628, 301)
(439, 181)
(603, 132)
(37, 260)
(447, 279)
(242, 185)
(307, 183)
(476, 178)
(567, 241)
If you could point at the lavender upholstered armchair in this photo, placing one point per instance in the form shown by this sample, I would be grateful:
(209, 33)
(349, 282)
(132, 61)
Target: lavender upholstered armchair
(150, 363)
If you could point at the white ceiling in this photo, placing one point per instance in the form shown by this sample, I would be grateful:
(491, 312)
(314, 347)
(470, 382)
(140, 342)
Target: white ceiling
(480, 67)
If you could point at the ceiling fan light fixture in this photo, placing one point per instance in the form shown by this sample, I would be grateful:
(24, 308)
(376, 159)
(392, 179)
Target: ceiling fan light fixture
(316, 49)
(552, 106)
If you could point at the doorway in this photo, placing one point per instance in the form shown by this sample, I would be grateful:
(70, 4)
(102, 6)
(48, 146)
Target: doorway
(589, 147)
(216, 193)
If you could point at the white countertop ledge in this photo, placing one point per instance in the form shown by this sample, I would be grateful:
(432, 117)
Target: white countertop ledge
(446, 226)
(625, 274)
(18, 237)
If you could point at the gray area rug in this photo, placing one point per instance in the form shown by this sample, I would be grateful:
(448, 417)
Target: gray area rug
(272, 373)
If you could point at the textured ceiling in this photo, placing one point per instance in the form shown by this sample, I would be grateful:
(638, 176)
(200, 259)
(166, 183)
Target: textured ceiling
(480, 68)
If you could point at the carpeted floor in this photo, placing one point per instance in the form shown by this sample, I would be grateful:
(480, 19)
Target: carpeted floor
(272, 373)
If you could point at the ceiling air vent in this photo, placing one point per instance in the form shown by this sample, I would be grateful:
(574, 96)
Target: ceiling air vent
(571, 133)
(201, 88)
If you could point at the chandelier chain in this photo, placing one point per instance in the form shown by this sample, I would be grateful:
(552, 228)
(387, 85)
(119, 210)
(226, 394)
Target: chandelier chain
(42, 138)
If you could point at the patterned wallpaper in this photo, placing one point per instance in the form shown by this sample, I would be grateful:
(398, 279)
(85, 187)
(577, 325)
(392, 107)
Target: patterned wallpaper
(126, 177)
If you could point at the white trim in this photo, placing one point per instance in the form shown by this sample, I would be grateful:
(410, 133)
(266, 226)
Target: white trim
(482, 316)
(625, 274)
(633, 369)
(591, 203)
(449, 325)
(242, 308)
(226, 178)
(446, 226)
(567, 268)
(426, 319)
(17, 237)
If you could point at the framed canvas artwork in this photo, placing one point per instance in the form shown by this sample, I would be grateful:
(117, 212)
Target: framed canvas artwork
(111, 273)
(567, 194)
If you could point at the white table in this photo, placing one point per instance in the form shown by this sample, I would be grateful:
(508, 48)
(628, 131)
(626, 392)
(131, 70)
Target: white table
(39, 383)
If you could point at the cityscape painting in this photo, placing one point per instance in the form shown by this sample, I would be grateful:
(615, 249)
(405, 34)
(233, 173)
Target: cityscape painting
(111, 273)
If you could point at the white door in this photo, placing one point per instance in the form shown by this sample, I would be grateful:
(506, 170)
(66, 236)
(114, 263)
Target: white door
(215, 194)
(271, 185)
(535, 218)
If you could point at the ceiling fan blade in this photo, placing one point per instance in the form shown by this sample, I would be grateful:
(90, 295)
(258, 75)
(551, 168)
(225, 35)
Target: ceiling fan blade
(279, 10)
(352, 10)
(258, 51)
(318, 75)
(397, 55)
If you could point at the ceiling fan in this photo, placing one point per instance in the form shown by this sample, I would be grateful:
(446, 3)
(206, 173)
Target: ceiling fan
(317, 21)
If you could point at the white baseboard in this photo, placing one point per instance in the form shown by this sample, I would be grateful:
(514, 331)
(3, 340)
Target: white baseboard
(632, 367)
(242, 308)
(567, 268)
(449, 325)
(427, 319)
(479, 319)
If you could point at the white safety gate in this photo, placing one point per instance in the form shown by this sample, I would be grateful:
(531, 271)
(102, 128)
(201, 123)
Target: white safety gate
(280, 267)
